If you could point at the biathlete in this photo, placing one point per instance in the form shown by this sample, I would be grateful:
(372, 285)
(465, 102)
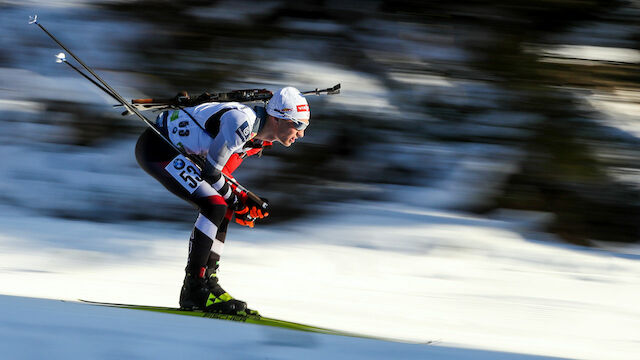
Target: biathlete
(223, 134)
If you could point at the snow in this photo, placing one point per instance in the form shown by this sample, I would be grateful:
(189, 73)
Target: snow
(420, 79)
(359, 91)
(594, 53)
(491, 287)
(318, 26)
(620, 109)
(56, 330)
(43, 87)
(480, 288)
(233, 11)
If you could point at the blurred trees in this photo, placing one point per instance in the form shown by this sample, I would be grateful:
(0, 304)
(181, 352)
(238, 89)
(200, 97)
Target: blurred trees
(448, 74)
(561, 171)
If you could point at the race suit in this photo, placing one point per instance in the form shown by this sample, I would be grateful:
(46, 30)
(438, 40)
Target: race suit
(221, 133)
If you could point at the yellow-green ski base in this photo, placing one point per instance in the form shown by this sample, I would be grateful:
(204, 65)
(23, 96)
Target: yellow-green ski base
(249, 319)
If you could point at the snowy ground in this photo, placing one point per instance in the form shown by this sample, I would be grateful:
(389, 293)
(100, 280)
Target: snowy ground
(479, 288)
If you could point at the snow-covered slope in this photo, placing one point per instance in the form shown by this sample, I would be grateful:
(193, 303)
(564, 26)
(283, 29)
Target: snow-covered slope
(48, 329)
(474, 286)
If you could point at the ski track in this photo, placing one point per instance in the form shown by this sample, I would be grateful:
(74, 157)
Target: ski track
(477, 288)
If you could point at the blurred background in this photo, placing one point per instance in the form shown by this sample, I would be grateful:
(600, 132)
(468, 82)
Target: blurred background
(491, 107)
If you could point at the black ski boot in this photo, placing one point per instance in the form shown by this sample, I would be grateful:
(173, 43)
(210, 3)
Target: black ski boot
(202, 292)
(223, 297)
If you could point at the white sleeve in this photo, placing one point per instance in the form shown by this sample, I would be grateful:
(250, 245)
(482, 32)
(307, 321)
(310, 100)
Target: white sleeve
(235, 129)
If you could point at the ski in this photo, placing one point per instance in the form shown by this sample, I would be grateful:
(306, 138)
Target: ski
(249, 319)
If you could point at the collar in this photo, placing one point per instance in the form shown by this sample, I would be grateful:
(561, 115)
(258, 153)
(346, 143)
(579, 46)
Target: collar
(261, 119)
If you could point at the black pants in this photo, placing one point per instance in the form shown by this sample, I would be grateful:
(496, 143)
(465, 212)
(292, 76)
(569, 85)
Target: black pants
(159, 160)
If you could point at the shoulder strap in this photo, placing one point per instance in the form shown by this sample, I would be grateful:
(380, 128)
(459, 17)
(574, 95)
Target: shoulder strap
(212, 125)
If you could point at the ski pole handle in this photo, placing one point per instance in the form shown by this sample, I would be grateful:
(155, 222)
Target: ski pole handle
(255, 198)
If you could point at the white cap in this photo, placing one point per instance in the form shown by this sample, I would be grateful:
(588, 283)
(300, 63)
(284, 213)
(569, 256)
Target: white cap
(288, 103)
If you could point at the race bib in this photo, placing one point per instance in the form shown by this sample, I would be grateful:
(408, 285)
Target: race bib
(185, 172)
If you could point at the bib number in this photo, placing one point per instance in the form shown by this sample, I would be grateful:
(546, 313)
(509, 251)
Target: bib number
(185, 172)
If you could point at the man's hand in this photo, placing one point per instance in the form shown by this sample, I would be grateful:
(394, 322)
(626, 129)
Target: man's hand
(255, 210)
(250, 212)
(244, 218)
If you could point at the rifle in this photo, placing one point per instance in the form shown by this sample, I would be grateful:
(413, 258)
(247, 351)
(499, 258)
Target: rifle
(241, 96)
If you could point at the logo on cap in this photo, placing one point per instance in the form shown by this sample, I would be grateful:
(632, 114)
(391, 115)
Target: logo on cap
(302, 108)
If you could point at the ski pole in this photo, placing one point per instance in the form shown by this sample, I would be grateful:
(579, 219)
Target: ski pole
(109, 90)
(62, 58)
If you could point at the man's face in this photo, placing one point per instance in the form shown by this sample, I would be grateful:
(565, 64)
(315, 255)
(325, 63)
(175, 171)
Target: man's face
(287, 133)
